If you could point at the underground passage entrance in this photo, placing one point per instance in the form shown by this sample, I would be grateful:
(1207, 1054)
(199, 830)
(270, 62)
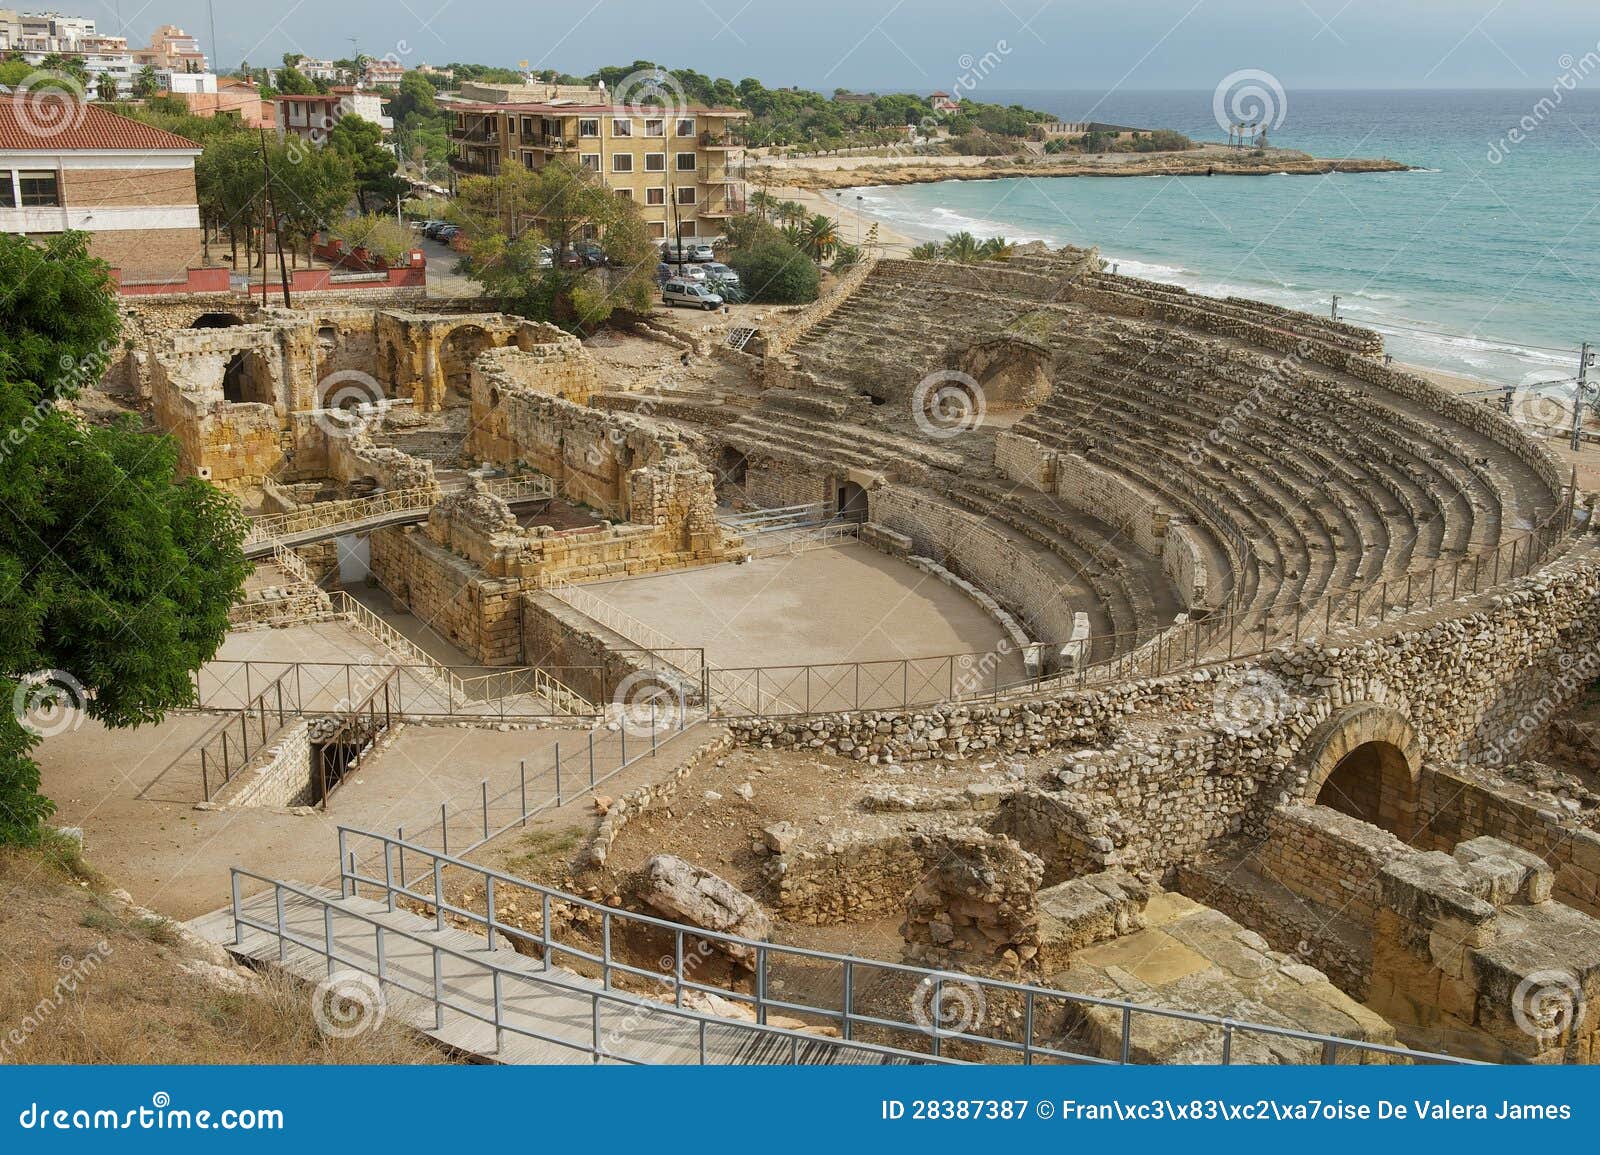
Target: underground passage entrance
(1373, 783)
(852, 502)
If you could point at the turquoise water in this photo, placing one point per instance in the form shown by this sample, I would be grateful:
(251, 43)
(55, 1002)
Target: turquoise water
(1487, 268)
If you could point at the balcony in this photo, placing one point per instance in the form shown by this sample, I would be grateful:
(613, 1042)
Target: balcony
(718, 140)
(723, 206)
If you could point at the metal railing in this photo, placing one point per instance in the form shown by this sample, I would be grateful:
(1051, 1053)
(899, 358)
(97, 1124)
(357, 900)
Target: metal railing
(618, 621)
(514, 985)
(421, 693)
(353, 511)
(231, 751)
(876, 997)
(1210, 640)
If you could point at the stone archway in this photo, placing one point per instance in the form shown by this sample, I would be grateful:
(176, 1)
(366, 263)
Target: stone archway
(216, 321)
(247, 379)
(1366, 762)
(456, 354)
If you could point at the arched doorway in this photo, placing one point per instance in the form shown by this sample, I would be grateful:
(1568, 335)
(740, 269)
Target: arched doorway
(456, 355)
(247, 379)
(216, 321)
(1373, 783)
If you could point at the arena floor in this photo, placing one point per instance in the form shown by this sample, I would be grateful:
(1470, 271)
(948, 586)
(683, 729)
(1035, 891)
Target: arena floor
(841, 604)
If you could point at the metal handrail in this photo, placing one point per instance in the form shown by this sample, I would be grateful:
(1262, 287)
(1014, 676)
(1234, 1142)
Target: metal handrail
(255, 706)
(326, 514)
(351, 878)
(500, 973)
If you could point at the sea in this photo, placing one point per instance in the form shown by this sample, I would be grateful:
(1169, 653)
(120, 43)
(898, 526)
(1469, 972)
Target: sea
(1484, 262)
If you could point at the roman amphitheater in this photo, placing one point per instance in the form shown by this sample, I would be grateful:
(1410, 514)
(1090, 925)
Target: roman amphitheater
(1009, 662)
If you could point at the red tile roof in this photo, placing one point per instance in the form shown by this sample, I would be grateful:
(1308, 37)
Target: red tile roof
(48, 122)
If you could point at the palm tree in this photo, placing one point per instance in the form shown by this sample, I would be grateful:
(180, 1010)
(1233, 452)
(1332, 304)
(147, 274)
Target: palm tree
(926, 251)
(960, 247)
(821, 237)
(791, 212)
(764, 203)
(995, 249)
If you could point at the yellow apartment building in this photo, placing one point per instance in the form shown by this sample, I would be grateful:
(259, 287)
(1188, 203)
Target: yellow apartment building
(681, 166)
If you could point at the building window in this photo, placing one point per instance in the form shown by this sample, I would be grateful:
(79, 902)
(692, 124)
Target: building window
(655, 196)
(511, 126)
(655, 162)
(655, 128)
(622, 162)
(527, 127)
(686, 195)
(589, 160)
(527, 159)
(8, 191)
(589, 127)
(621, 126)
(685, 161)
(38, 189)
(686, 126)
(658, 229)
(625, 193)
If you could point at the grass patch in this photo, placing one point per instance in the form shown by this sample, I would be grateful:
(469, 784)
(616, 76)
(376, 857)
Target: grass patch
(535, 853)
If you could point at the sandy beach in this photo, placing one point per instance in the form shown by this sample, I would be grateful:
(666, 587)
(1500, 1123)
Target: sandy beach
(840, 205)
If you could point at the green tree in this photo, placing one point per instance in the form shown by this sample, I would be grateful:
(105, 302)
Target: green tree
(115, 576)
(776, 272)
(106, 87)
(360, 142)
(145, 84)
(511, 217)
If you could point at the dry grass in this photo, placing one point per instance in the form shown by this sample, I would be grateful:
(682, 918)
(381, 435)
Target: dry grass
(87, 981)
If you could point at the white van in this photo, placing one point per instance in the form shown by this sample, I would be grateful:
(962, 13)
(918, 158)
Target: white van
(679, 292)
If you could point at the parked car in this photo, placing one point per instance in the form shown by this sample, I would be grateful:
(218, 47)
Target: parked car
(719, 273)
(664, 273)
(444, 233)
(687, 250)
(692, 273)
(680, 292)
(433, 228)
(424, 226)
(546, 257)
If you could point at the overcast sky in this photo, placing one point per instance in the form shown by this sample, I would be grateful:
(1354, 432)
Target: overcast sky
(922, 44)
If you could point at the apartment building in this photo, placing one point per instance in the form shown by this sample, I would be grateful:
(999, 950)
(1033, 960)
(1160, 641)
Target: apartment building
(681, 166)
(171, 49)
(129, 185)
(36, 35)
(311, 116)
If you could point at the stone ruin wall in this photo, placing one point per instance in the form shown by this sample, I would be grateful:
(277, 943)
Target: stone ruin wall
(956, 540)
(1178, 785)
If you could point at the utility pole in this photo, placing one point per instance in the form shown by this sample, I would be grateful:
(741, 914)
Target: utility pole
(1585, 359)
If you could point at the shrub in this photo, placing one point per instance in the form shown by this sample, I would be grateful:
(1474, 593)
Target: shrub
(775, 272)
